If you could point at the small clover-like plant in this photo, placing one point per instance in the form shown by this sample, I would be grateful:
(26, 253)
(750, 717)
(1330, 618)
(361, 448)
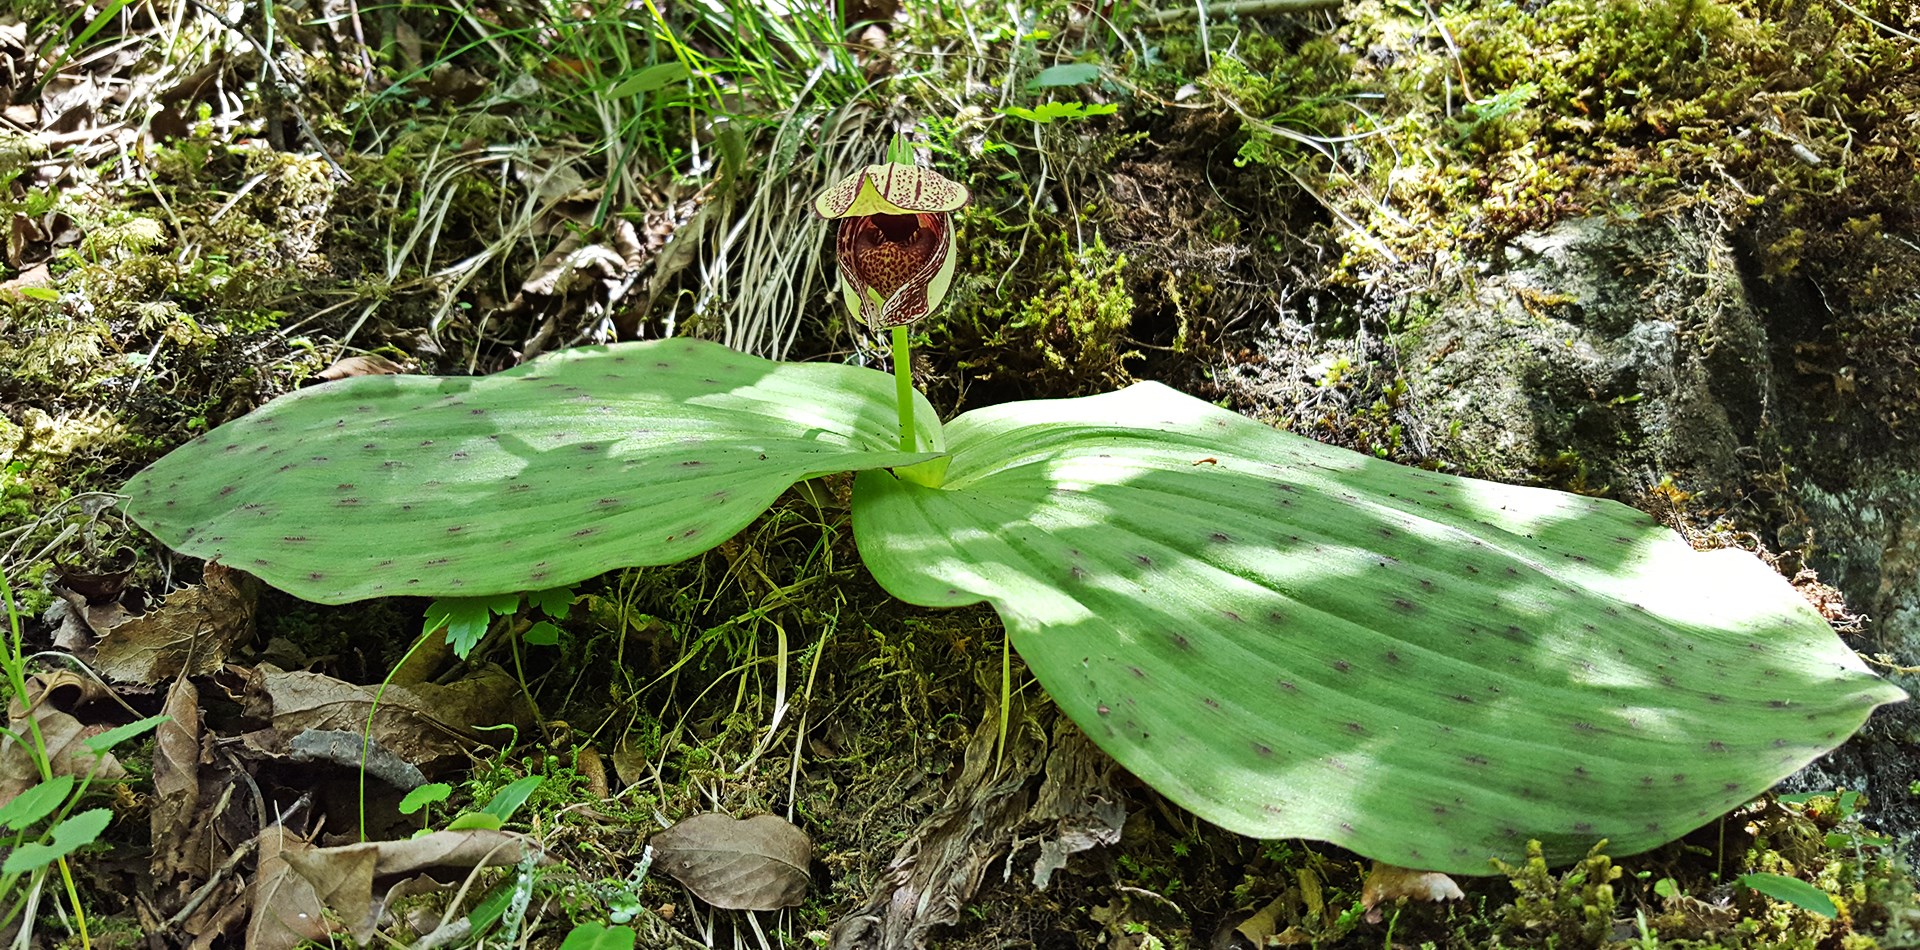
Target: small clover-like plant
(1286, 638)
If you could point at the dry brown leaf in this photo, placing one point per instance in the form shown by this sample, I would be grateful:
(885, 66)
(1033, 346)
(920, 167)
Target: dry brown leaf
(408, 887)
(629, 760)
(419, 723)
(593, 768)
(79, 623)
(370, 364)
(65, 738)
(102, 586)
(190, 632)
(38, 275)
(1078, 801)
(1389, 883)
(1269, 926)
(568, 269)
(286, 910)
(219, 914)
(342, 878)
(351, 750)
(177, 847)
(176, 758)
(468, 848)
(756, 864)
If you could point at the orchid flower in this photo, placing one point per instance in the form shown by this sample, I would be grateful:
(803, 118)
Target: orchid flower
(896, 250)
(896, 241)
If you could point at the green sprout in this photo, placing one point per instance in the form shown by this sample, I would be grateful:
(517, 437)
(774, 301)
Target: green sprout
(1286, 638)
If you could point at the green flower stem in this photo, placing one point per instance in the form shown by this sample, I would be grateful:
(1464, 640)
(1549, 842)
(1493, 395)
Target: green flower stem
(903, 387)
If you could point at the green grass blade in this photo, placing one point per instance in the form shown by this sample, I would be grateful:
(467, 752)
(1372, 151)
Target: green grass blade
(541, 476)
(1290, 639)
(1792, 890)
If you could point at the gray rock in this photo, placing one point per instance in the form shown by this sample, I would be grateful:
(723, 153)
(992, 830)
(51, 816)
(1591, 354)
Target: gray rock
(1608, 355)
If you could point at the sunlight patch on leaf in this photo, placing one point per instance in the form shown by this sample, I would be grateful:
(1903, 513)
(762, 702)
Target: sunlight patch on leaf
(563, 468)
(1294, 640)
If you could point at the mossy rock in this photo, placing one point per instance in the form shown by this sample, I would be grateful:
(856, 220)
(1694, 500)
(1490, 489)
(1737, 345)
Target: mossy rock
(1612, 354)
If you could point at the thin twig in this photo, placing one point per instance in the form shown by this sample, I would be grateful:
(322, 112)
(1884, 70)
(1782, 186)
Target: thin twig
(246, 849)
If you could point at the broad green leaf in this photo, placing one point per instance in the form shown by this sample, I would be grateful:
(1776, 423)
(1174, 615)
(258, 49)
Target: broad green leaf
(1065, 74)
(81, 829)
(1290, 639)
(1794, 891)
(35, 803)
(508, 800)
(591, 936)
(76, 832)
(564, 468)
(423, 796)
(43, 294)
(104, 742)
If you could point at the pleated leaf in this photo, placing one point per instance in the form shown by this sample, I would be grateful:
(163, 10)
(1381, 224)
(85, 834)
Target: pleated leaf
(1293, 640)
(552, 472)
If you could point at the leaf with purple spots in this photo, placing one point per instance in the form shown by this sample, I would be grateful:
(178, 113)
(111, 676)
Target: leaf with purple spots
(583, 461)
(1308, 642)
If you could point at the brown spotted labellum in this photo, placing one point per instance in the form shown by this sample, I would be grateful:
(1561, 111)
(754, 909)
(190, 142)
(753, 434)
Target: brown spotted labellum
(896, 240)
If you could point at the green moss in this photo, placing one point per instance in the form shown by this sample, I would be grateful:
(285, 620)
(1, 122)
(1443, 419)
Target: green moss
(1063, 327)
(1576, 906)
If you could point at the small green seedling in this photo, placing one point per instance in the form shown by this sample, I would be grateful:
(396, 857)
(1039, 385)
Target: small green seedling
(416, 801)
(1286, 638)
(467, 619)
(498, 810)
(491, 817)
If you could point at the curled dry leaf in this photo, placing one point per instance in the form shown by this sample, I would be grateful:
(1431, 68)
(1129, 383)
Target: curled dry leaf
(62, 689)
(1388, 883)
(370, 364)
(756, 864)
(571, 265)
(286, 909)
(1078, 799)
(66, 749)
(175, 818)
(1267, 927)
(191, 631)
(342, 878)
(102, 585)
(419, 723)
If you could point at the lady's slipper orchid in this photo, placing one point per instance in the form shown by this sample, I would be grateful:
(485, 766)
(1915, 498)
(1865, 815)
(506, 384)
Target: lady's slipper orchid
(896, 240)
